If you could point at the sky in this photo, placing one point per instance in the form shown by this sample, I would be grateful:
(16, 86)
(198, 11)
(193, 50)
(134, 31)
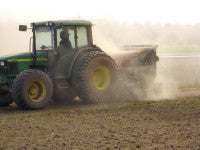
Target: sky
(164, 11)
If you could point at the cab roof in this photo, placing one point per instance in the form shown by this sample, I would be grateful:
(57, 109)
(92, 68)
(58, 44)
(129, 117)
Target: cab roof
(66, 22)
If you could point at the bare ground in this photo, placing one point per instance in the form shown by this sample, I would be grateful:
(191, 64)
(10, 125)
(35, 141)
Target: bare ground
(169, 124)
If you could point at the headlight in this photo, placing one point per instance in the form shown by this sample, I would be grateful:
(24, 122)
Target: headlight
(2, 63)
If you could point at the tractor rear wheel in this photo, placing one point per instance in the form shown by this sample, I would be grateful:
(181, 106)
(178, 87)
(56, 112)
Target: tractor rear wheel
(32, 89)
(5, 98)
(95, 77)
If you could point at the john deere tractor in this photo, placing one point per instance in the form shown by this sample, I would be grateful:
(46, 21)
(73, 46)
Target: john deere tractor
(63, 64)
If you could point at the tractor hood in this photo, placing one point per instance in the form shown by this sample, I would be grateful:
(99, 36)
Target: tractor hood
(24, 56)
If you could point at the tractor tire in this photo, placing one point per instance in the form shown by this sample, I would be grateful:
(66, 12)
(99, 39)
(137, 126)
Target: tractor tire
(32, 89)
(95, 77)
(63, 95)
(5, 98)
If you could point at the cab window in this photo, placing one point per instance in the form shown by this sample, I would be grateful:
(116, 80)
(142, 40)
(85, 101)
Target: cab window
(65, 37)
(44, 38)
(82, 36)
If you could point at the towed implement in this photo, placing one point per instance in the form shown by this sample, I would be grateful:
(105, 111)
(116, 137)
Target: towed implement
(137, 69)
(63, 64)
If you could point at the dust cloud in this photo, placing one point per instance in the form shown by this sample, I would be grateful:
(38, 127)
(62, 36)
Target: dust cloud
(145, 82)
(163, 87)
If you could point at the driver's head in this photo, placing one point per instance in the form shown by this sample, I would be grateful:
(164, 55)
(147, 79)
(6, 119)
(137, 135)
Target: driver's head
(64, 35)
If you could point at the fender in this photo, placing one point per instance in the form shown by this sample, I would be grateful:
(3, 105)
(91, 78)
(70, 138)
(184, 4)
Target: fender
(80, 52)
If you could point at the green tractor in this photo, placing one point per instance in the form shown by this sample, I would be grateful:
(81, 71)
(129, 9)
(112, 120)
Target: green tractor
(63, 64)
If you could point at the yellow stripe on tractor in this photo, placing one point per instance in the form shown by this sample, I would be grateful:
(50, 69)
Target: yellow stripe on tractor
(15, 59)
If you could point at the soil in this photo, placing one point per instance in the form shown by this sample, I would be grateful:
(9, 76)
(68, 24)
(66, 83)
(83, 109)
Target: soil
(168, 124)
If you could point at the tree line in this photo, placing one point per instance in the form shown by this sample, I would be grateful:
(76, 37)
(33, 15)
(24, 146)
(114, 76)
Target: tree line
(125, 33)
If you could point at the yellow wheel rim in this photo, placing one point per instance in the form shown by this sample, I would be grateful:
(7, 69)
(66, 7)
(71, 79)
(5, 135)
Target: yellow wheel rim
(37, 91)
(101, 78)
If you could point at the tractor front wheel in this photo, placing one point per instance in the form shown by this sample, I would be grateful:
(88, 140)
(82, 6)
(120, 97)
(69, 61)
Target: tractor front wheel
(32, 89)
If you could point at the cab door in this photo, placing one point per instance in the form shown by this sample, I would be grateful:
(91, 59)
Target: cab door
(66, 45)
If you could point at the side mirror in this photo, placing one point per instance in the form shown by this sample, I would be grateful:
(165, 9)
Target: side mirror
(22, 28)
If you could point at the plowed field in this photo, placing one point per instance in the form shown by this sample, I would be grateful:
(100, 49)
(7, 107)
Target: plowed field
(168, 124)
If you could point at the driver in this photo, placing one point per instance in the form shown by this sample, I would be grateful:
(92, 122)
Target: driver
(65, 42)
(64, 51)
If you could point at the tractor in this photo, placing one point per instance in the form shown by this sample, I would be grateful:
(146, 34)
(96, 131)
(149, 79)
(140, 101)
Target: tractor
(63, 64)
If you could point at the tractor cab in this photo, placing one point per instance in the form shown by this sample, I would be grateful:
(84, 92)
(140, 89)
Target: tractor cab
(60, 40)
(69, 34)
